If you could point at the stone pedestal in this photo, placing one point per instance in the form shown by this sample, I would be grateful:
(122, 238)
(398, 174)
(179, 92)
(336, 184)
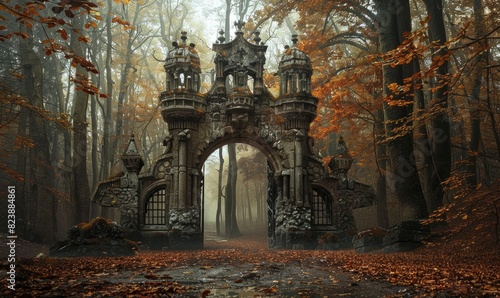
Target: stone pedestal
(369, 240)
(405, 236)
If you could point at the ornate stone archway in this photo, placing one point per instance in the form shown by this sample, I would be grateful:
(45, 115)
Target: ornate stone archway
(237, 108)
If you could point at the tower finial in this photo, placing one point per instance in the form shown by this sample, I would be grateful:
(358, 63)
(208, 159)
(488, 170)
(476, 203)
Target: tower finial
(221, 38)
(257, 38)
(239, 24)
(131, 158)
(184, 37)
(295, 39)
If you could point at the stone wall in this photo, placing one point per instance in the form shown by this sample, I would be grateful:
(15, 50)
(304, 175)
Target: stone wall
(292, 226)
(124, 197)
(185, 229)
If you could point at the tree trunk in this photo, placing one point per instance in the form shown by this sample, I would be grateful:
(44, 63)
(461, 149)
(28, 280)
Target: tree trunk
(95, 141)
(79, 183)
(232, 229)
(42, 184)
(108, 118)
(21, 168)
(381, 155)
(249, 205)
(422, 146)
(124, 83)
(404, 177)
(218, 214)
(227, 26)
(440, 124)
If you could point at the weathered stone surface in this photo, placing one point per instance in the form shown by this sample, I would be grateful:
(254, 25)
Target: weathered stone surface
(405, 236)
(369, 240)
(232, 111)
(100, 237)
(185, 230)
(185, 219)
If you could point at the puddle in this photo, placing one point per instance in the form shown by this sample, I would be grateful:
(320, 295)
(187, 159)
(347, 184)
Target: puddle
(261, 280)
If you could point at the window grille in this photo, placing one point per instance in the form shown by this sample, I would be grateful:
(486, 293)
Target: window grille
(322, 208)
(156, 211)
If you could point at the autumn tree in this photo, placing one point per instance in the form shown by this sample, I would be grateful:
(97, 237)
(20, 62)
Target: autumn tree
(440, 123)
(42, 178)
(340, 39)
(397, 105)
(44, 28)
(80, 190)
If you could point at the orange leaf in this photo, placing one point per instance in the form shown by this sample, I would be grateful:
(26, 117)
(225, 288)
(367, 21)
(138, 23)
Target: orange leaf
(91, 24)
(63, 33)
(83, 39)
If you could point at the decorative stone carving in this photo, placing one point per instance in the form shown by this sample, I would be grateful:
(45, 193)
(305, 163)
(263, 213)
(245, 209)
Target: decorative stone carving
(233, 110)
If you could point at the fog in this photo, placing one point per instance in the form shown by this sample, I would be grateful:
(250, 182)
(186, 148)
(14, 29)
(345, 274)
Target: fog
(251, 191)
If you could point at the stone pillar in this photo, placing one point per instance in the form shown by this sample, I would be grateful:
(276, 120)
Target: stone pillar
(195, 188)
(182, 170)
(299, 182)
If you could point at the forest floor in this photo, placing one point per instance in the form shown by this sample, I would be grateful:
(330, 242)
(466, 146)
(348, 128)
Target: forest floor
(245, 267)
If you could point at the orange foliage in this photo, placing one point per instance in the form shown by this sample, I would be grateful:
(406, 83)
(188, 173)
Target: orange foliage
(342, 40)
(30, 13)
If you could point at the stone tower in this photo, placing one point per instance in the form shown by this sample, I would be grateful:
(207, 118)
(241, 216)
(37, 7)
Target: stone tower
(304, 199)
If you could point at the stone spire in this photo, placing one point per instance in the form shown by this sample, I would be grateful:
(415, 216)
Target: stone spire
(342, 161)
(131, 158)
(239, 25)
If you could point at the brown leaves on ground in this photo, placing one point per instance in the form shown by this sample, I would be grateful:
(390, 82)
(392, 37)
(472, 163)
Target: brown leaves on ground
(431, 271)
(428, 270)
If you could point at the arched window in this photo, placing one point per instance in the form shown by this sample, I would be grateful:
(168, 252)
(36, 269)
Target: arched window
(156, 208)
(250, 83)
(181, 80)
(229, 81)
(322, 208)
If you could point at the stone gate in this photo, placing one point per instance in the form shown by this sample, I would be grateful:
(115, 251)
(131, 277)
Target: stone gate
(163, 206)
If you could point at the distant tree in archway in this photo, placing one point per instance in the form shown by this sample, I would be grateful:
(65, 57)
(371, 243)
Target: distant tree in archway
(231, 223)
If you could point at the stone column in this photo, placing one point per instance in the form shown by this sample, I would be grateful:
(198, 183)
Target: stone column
(195, 188)
(182, 172)
(299, 183)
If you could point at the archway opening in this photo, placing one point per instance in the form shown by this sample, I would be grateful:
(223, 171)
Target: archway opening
(249, 213)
